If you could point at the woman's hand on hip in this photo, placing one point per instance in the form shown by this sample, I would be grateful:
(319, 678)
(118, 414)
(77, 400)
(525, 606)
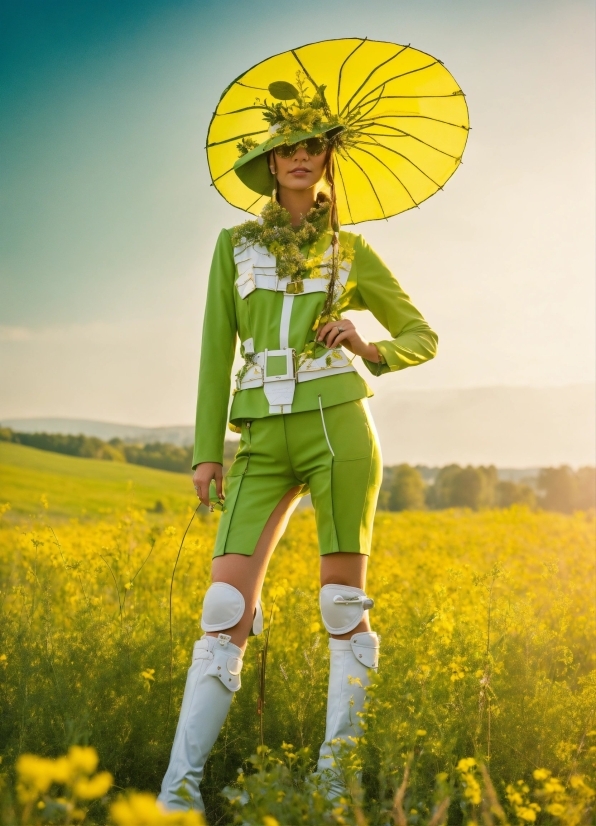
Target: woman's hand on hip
(202, 478)
(343, 331)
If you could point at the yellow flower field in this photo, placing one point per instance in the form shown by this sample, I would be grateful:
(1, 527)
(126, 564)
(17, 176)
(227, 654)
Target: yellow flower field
(484, 708)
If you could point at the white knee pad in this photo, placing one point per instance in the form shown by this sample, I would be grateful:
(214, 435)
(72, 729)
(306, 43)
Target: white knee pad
(342, 607)
(223, 607)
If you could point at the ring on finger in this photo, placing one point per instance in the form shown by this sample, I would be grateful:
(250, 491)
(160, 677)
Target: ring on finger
(340, 329)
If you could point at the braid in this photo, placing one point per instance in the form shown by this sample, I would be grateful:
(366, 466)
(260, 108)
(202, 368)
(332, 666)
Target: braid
(334, 223)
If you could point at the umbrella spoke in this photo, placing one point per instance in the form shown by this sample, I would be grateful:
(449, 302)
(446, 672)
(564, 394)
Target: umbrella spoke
(246, 86)
(396, 77)
(405, 157)
(421, 117)
(223, 174)
(371, 106)
(422, 97)
(407, 135)
(248, 209)
(371, 73)
(372, 186)
(237, 111)
(345, 191)
(314, 83)
(395, 175)
(342, 68)
(237, 138)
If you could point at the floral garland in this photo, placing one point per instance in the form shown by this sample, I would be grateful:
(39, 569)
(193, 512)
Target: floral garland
(274, 231)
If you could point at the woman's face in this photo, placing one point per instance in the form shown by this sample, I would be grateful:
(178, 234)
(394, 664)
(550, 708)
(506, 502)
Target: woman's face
(299, 171)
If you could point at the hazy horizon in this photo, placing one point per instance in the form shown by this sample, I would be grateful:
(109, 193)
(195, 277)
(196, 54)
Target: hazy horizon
(508, 427)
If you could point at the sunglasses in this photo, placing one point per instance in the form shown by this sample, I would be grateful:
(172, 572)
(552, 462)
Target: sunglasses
(314, 146)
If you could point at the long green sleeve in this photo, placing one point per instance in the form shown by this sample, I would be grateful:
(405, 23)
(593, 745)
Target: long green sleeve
(413, 342)
(217, 355)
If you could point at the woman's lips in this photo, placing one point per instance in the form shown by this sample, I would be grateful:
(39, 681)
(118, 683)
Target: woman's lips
(300, 171)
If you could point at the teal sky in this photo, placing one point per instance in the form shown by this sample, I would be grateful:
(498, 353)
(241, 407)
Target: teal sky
(108, 220)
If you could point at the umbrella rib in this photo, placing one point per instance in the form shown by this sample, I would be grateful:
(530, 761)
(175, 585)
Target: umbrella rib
(373, 105)
(342, 68)
(372, 186)
(345, 191)
(246, 86)
(236, 111)
(238, 137)
(395, 175)
(397, 77)
(248, 208)
(401, 155)
(312, 80)
(371, 73)
(409, 135)
(421, 117)
(223, 174)
(421, 97)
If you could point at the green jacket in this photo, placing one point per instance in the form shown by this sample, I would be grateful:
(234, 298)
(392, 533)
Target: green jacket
(256, 320)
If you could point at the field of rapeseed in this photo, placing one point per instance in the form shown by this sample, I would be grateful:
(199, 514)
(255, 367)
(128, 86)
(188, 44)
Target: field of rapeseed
(483, 711)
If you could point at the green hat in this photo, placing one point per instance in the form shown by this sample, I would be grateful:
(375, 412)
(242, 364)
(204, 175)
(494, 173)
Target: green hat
(253, 167)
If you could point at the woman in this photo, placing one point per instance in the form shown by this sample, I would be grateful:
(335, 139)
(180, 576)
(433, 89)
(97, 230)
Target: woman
(281, 284)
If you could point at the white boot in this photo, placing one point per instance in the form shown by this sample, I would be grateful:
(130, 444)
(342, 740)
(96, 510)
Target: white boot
(349, 677)
(212, 679)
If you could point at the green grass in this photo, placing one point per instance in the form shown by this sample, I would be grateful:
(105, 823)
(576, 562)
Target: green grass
(84, 487)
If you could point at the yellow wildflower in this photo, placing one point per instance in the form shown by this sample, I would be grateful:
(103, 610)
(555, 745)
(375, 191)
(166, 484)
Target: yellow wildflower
(94, 788)
(83, 759)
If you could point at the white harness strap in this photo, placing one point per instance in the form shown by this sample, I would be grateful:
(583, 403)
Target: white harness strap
(284, 326)
(257, 270)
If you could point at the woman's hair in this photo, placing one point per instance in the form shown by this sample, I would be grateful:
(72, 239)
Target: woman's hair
(330, 180)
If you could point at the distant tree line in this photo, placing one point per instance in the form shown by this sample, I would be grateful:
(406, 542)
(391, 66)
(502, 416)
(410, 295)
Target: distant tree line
(558, 489)
(404, 487)
(160, 455)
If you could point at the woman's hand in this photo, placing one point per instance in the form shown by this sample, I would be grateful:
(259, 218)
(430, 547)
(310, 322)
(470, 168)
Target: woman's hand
(202, 477)
(343, 332)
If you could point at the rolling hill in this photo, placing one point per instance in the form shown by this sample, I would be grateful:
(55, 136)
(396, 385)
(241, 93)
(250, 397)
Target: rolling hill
(85, 487)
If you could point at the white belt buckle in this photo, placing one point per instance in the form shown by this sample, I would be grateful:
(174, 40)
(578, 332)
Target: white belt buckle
(290, 365)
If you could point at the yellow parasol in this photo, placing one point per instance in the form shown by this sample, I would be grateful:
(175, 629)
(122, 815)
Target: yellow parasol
(405, 123)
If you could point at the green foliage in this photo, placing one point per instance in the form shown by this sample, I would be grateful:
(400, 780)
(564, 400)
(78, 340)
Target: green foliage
(274, 231)
(407, 489)
(159, 455)
(404, 488)
(303, 115)
(566, 490)
(246, 145)
(469, 487)
(513, 493)
(282, 90)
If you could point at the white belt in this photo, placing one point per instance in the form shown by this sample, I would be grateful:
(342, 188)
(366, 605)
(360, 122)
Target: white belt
(275, 371)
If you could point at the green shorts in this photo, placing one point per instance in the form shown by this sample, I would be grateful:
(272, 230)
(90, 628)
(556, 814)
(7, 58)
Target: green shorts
(336, 459)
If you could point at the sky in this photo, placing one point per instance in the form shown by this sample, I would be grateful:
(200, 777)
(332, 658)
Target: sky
(108, 221)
